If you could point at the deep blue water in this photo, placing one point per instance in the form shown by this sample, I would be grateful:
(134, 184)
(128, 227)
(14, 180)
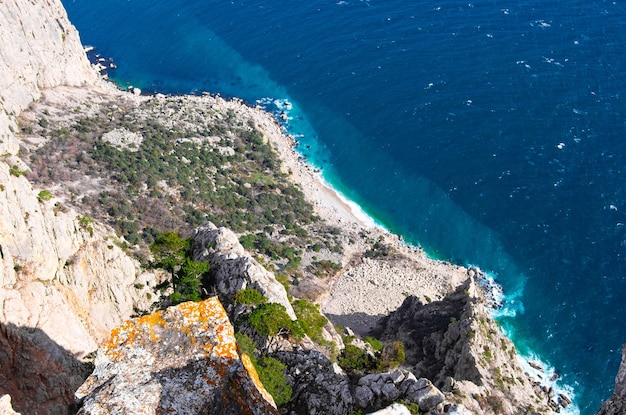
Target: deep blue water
(491, 133)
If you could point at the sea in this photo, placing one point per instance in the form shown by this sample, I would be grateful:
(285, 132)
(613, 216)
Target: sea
(490, 133)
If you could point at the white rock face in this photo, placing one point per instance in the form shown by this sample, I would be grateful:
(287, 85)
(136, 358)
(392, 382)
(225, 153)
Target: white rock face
(395, 409)
(233, 268)
(59, 276)
(40, 48)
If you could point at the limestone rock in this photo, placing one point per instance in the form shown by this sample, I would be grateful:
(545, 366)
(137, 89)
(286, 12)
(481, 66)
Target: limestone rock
(180, 360)
(40, 49)
(5, 406)
(395, 409)
(617, 403)
(318, 387)
(455, 343)
(62, 286)
(233, 268)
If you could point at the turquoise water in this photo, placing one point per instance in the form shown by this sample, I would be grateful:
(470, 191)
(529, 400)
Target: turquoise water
(491, 133)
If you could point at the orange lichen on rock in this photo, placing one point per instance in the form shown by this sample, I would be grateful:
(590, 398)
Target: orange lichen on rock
(247, 363)
(180, 358)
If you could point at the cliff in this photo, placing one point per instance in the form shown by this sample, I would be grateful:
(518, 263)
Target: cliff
(616, 404)
(40, 49)
(67, 281)
(455, 343)
(64, 283)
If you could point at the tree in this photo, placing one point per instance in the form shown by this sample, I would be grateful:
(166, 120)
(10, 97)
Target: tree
(270, 319)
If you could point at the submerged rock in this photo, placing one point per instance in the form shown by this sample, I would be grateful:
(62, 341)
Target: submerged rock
(180, 360)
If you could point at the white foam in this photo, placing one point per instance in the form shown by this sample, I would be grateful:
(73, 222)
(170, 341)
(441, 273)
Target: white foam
(548, 378)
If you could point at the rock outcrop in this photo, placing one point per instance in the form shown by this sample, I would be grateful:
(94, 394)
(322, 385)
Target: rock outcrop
(180, 360)
(455, 343)
(233, 269)
(40, 49)
(321, 387)
(616, 405)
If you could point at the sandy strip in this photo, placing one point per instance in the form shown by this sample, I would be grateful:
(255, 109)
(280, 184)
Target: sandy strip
(373, 288)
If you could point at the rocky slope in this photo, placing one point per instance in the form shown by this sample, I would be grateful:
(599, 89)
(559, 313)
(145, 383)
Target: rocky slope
(617, 403)
(455, 343)
(64, 283)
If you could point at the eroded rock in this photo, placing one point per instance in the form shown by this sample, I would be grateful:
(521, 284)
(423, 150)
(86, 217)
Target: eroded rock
(180, 360)
(233, 268)
(617, 403)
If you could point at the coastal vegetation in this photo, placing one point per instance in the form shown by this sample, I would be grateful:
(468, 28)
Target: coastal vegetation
(131, 170)
(128, 166)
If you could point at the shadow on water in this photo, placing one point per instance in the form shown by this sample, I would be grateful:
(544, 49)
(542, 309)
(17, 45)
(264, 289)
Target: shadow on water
(38, 374)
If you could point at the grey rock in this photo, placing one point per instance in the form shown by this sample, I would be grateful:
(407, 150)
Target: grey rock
(233, 268)
(363, 396)
(390, 392)
(425, 395)
(616, 404)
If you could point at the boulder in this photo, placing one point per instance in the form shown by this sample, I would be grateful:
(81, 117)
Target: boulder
(180, 360)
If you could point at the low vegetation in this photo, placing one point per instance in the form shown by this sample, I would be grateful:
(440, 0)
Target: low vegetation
(171, 253)
(207, 167)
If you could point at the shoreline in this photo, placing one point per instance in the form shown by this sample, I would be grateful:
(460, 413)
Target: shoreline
(336, 208)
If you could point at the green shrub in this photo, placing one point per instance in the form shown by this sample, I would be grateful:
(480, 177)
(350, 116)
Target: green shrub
(353, 359)
(270, 319)
(14, 170)
(246, 345)
(44, 196)
(86, 223)
(171, 253)
(271, 373)
(310, 318)
(250, 296)
(376, 344)
(392, 355)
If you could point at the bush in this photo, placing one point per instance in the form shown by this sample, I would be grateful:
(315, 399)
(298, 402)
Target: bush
(270, 319)
(15, 171)
(250, 296)
(171, 253)
(271, 373)
(376, 344)
(246, 345)
(310, 318)
(353, 359)
(44, 196)
(392, 355)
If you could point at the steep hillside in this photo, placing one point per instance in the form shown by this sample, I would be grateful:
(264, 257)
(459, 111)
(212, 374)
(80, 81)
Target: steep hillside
(64, 283)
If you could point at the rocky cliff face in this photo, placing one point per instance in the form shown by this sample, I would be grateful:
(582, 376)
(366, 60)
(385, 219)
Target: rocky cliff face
(64, 284)
(40, 49)
(233, 269)
(456, 344)
(617, 403)
(180, 360)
